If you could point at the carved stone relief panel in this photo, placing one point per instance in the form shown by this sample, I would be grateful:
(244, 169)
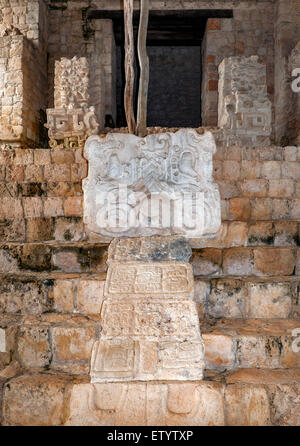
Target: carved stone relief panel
(155, 279)
(72, 115)
(161, 184)
(149, 323)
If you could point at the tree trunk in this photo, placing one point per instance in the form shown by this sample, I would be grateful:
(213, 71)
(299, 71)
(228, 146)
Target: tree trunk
(129, 65)
(144, 67)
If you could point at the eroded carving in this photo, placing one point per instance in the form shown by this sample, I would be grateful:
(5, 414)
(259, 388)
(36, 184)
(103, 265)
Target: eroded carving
(71, 116)
(149, 279)
(149, 323)
(11, 31)
(245, 111)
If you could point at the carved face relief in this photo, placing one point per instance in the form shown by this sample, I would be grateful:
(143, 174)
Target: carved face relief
(158, 185)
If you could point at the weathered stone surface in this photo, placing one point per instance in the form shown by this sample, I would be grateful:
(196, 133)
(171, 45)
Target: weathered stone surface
(264, 376)
(34, 347)
(72, 348)
(25, 296)
(247, 405)
(152, 404)
(72, 115)
(238, 262)
(153, 280)
(285, 400)
(227, 299)
(207, 261)
(35, 400)
(270, 299)
(147, 339)
(279, 261)
(63, 293)
(149, 249)
(245, 111)
(219, 351)
(89, 296)
(125, 171)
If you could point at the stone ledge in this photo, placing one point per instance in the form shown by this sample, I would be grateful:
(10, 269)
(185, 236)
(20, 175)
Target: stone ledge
(64, 342)
(263, 376)
(208, 262)
(59, 399)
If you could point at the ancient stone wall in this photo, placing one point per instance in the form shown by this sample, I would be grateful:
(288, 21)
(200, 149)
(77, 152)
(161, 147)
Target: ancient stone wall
(249, 33)
(24, 28)
(72, 36)
(42, 235)
(52, 290)
(286, 35)
(21, 87)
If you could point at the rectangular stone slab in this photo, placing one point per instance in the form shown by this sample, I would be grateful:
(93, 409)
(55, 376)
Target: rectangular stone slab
(158, 185)
(163, 279)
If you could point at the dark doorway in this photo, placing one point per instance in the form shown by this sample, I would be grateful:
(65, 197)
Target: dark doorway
(174, 48)
(174, 96)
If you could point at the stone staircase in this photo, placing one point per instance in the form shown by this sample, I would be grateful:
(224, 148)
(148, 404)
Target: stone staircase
(246, 293)
(252, 375)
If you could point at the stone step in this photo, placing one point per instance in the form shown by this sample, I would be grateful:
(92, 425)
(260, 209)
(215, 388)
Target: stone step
(80, 257)
(260, 183)
(242, 398)
(64, 342)
(251, 343)
(230, 297)
(69, 228)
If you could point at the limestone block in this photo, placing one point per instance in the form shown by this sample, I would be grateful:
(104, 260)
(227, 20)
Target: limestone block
(247, 405)
(89, 296)
(149, 249)
(219, 351)
(152, 404)
(35, 400)
(158, 185)
(271, 300)
(34, 347)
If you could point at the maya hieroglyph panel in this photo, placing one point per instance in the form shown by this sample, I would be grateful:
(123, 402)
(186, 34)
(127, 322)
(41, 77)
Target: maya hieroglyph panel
(158, 185)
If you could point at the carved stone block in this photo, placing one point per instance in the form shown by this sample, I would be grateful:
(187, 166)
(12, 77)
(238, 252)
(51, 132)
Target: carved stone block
(149, 321)
(147, 404)
(149, 325)
(153, 280)
(158, 185)
(127, 360)
(245, 111)
(72, 114)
